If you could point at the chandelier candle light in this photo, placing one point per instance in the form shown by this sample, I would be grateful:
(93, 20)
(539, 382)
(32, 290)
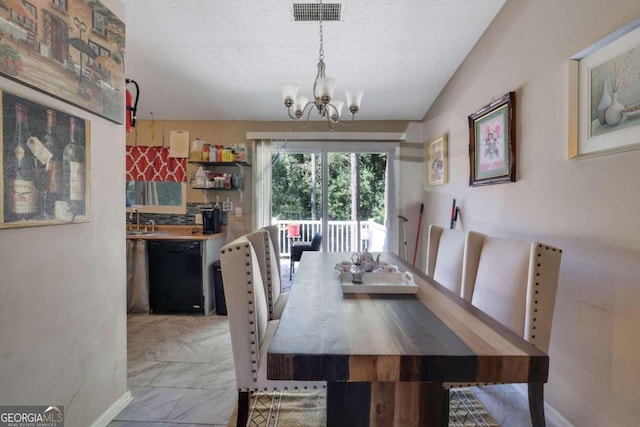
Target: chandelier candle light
(323, 87)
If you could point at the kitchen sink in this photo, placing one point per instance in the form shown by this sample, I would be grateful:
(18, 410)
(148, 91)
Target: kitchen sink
(139, 233)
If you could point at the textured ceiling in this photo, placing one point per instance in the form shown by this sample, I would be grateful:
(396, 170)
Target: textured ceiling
(225, 60)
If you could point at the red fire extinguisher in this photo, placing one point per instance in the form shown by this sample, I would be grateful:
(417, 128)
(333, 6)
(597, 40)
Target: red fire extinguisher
(132, 106)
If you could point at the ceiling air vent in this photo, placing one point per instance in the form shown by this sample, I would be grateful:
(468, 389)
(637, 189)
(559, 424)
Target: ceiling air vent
(305, 12)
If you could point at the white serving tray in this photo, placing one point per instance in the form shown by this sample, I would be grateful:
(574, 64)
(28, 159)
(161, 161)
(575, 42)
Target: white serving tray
(379, 283)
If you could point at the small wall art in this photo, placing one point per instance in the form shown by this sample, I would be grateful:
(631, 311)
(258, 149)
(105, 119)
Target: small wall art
(69, 49)
(436, 160)
(604, 95)
(492, 143)
(45, 160)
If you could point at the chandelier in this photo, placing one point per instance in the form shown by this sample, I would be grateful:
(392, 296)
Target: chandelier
(323, 87)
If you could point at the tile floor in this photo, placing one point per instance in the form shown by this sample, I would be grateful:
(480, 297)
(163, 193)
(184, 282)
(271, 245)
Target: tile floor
(180, 374)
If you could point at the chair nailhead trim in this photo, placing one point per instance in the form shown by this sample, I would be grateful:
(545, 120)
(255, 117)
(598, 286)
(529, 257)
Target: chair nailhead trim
(538, 284)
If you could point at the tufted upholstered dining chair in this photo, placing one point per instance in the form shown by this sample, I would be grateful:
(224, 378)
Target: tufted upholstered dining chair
(265, 253)
(445, 254)
(274, 234)
(251, 331)
(515, 282)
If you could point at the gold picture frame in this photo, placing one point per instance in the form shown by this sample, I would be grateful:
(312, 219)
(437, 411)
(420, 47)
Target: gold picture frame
(436, 160)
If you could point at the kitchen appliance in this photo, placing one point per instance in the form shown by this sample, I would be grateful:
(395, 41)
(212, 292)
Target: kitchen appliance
(211, 220)
(175, 276)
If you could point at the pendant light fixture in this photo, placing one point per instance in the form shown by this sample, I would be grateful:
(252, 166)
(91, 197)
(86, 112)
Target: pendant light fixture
(323, 87)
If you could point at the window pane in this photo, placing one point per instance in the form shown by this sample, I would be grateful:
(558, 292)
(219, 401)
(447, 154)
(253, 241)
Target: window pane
(154, 193)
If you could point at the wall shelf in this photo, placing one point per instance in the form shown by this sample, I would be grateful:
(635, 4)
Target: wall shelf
(194, 187)
(203, 163)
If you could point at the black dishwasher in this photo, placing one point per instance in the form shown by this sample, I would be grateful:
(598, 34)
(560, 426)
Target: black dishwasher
(175, 276)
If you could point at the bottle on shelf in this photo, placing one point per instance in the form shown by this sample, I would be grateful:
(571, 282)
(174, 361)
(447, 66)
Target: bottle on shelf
(213, 153)
(73, 171)
(205, 152)
(201, 178)
(21, 190)
(196, 149)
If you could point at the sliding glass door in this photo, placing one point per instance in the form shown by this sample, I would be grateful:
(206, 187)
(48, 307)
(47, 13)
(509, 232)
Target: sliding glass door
(339, 194)
(296, 196)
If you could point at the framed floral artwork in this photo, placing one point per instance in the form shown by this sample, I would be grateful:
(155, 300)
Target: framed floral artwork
(437, 159)
(605, 95)
(492, 145)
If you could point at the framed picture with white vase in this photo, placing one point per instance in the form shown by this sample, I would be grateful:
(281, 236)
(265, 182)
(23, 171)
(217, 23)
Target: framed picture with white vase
(605, 95)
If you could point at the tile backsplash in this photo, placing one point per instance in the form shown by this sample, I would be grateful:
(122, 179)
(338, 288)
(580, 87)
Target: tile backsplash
(176, 219)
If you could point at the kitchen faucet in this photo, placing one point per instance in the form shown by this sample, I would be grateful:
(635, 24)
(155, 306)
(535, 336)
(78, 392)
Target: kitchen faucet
(137, 217)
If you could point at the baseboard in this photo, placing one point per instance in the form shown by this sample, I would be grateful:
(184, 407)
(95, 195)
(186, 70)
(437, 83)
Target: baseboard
(555, 417)
(108, 415)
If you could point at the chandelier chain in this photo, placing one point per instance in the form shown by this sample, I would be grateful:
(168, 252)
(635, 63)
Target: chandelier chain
(321, 52)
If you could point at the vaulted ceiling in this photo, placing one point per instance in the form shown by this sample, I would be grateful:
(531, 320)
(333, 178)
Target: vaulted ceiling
(225, 60)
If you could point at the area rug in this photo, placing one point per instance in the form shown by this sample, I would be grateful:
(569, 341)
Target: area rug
(307, 409)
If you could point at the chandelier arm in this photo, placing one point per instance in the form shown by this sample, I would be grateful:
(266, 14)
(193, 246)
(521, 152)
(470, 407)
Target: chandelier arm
(328, 108)
(305, 108)
(353, 119)
(294, 117)
(330, 122)
(290, 116)
(306, 122)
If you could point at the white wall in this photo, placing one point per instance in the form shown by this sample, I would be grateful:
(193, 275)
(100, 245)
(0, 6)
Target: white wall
(589, 208)
(62, 291)
(410, 195)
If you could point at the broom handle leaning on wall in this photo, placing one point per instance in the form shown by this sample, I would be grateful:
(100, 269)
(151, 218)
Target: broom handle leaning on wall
(415, 253)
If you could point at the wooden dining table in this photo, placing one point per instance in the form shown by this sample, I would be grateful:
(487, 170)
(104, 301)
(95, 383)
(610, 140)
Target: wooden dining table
(386, 358)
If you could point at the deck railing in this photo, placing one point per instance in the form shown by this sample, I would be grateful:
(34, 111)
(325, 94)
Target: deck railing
(341, 235)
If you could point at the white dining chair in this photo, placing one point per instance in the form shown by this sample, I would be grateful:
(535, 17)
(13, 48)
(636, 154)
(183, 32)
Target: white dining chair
(445, 253)
(514, 282)
(251, 330)
(274, 234)
(265, 252)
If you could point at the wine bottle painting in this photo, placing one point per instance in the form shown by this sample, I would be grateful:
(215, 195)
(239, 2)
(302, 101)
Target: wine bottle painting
(45, 165)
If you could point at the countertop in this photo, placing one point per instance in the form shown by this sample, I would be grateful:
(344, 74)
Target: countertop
(177, 232)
